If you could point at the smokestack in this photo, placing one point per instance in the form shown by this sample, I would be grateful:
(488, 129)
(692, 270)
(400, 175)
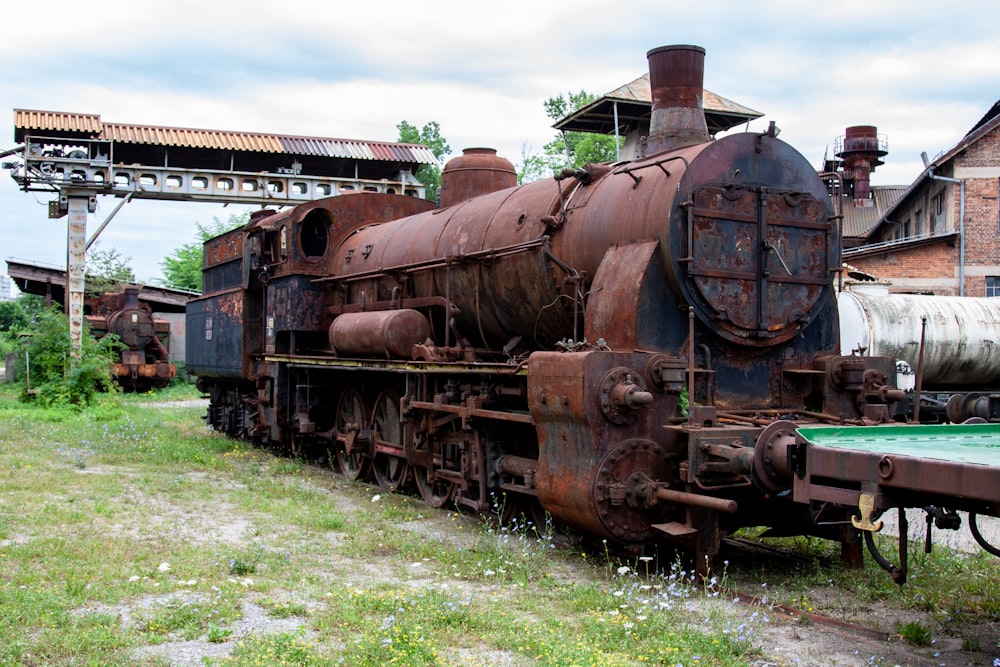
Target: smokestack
(131, 297)
(676, 82)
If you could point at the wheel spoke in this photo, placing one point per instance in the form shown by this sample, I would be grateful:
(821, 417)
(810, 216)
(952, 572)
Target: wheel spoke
(390, 468)
(435, 493)
(351, 415)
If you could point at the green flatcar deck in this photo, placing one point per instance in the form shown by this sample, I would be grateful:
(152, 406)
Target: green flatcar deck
(958, 443)
(954, 466)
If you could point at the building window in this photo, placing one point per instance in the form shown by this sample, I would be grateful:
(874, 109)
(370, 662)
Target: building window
(992, 285)
(937, 217)
(918, 227)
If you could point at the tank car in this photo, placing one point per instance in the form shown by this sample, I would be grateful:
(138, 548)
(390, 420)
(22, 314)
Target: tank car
(631, 348)
(946, 346)
(144, 362)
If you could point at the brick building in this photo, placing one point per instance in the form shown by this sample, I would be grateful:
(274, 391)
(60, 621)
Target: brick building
(942, 235)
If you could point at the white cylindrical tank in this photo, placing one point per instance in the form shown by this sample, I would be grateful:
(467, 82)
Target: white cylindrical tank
(961, 341)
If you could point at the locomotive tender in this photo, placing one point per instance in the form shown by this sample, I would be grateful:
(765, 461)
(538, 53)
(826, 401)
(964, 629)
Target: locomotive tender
(633, 348)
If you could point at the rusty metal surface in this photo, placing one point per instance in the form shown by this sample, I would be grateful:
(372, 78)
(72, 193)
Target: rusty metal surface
(383, 333)
(597, 472)
(223, 248)
(618, 291)
(495, 300)
(675, 83)
(478, 171)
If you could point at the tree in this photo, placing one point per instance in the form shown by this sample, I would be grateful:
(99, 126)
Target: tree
(429, 135)
(106, 271)
(182, 267)
(18, 316)
(568, 149)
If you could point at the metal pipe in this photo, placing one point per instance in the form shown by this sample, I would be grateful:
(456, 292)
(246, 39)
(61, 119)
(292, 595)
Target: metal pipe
(690, 368)
(18, 149)
(618, 146)
(107, 220)
(920, 370)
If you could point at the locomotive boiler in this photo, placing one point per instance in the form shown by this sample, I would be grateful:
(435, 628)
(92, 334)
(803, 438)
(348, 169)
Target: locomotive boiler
(632, 348)
(144, 361)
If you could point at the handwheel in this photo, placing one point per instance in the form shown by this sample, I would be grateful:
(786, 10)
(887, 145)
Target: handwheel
(391, 470)
(351, 413)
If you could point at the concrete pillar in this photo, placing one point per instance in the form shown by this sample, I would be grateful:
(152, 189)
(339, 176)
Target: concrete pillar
(79, 205)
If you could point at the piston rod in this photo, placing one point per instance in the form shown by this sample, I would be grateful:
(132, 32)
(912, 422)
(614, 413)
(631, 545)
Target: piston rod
(696, 500)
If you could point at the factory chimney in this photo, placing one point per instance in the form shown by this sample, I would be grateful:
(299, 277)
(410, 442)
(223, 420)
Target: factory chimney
(861, 152)
(676, 82)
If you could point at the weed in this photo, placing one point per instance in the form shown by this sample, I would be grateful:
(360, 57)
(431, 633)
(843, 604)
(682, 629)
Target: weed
(970, 644)
(277, 650)
(285, 609)
(914, 633)
(216, 634)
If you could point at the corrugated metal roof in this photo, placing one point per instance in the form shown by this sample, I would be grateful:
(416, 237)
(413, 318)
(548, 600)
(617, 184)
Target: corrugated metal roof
(254, 142)
(860, 220)
(61, 121)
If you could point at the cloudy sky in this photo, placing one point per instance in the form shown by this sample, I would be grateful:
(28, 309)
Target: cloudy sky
(922, 72)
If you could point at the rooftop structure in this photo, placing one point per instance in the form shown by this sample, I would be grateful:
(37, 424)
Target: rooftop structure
(626, 111)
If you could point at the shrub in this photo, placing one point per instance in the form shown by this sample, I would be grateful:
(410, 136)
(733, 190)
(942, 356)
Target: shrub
(55, 376)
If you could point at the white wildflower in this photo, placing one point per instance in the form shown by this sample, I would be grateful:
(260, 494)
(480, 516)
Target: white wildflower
(624, 569)
(377, 497)
(164, 567)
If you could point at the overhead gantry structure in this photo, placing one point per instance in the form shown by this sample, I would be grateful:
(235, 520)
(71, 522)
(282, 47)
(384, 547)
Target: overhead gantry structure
(77, 157)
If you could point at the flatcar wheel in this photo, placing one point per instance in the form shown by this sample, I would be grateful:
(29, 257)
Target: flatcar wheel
(978, 536)
(351, 415)
(435, 493)
(391, 471)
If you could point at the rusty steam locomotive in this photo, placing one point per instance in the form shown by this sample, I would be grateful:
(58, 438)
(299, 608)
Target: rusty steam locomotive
(144, 361)
(637, 349)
